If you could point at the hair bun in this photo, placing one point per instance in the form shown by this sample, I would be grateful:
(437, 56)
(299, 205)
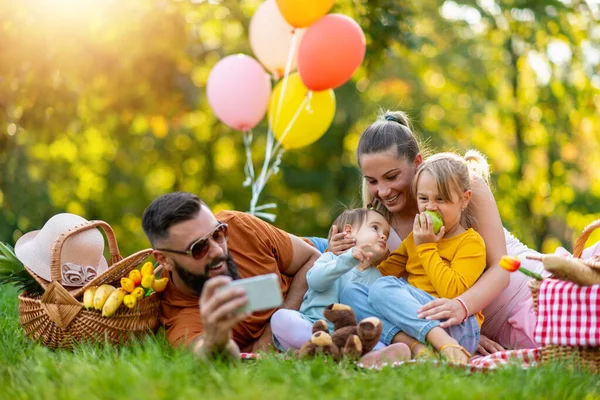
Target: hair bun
(397, 116)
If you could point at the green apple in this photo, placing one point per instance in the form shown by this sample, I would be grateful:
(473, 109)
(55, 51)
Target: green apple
(437, 220)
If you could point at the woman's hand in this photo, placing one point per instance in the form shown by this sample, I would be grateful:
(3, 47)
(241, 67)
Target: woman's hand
(340, 242)
(488, 346)
(450, 310)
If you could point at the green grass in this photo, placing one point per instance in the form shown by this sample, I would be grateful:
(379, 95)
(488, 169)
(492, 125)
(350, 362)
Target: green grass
(151, 369)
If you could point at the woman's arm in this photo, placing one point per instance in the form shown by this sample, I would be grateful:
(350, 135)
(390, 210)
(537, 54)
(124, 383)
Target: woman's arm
(340, 241)
(494, 280)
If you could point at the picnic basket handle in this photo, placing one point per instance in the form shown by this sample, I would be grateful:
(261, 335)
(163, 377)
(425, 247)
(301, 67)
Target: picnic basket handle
(115, 256)
(580, 243)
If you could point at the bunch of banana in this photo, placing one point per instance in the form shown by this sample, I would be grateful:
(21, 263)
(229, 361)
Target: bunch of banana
(134, 287)
(105, 298)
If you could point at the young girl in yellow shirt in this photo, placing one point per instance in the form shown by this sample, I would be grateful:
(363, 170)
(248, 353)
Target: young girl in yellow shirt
(427, 265)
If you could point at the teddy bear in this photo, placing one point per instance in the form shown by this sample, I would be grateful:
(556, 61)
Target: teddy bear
(349, 340)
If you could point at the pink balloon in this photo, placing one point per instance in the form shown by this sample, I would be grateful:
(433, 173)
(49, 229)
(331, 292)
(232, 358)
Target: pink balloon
(330, 52)
(238, 91)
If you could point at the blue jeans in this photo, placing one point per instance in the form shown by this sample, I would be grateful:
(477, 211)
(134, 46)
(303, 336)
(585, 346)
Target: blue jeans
(395, 302)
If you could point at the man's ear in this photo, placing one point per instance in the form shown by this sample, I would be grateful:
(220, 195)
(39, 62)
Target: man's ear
(347, 228)
(162, 259)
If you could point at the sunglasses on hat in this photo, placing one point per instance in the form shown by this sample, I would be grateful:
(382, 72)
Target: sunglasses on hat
(199, 248)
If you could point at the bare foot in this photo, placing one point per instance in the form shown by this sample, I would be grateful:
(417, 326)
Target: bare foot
(388, 355)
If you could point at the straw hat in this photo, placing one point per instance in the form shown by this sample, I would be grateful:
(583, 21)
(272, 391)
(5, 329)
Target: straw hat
(81, 258)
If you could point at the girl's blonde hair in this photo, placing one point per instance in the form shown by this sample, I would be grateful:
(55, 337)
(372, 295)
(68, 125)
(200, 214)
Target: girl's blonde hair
(453, 172)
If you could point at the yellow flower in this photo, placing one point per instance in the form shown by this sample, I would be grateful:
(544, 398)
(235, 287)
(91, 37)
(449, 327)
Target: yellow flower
(160, 284)
(136, 276)
(147, 281)
(127, 284)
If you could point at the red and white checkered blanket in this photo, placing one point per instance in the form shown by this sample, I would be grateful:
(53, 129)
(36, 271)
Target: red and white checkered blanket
(568, 314)
(524, 358)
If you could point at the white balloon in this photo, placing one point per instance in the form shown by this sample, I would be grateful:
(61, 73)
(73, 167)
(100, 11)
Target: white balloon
(271, 38)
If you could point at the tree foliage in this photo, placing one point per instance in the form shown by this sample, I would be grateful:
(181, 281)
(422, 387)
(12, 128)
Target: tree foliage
(103, 108)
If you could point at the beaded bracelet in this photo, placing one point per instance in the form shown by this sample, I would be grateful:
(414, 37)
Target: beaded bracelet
(462, 303)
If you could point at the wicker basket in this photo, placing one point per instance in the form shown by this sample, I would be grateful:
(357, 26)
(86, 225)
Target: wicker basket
(582, 357)
(58, 320)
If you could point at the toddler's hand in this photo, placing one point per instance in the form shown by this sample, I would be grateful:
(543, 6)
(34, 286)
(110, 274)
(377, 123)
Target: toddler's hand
(362, 253)
(423, 230)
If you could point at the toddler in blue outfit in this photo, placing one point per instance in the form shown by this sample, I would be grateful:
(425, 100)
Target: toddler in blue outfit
(330, 275)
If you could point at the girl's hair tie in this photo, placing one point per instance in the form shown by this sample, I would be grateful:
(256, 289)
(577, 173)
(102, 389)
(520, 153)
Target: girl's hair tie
(391, 118)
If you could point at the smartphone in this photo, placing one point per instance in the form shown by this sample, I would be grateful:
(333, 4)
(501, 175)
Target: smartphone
(263, 292)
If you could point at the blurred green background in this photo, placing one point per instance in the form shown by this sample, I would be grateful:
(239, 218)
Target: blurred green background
(103, 108)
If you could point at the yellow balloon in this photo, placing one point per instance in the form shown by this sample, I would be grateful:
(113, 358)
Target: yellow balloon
(314, 113)
(302, 13)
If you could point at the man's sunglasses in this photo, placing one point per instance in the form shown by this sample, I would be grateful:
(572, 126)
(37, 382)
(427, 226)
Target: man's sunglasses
(199, 248)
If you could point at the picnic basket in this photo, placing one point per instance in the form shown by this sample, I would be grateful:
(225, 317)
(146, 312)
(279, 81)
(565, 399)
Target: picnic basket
(584, 357)
(58, 319)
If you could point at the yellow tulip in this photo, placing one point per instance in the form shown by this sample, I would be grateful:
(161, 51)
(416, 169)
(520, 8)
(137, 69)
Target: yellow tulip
(147, 269)
(130, 300)
(138, 293)
(127, 284)
(304, 117)
(136, 276)
(147, 281)
(160, 284)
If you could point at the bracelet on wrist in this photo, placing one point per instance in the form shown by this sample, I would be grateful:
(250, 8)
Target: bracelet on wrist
(464, 305)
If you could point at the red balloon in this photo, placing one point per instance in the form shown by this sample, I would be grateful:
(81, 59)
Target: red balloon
(330, 52)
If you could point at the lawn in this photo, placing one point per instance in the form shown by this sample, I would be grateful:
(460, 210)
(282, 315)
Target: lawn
(151, 369)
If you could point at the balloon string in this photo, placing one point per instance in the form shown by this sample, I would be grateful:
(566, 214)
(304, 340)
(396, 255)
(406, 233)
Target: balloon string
(259, 183)
(305, 102)
(249, 167)
(288, 67)
(271, 147)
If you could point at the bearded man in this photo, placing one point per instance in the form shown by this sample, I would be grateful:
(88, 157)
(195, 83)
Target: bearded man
(200, 252)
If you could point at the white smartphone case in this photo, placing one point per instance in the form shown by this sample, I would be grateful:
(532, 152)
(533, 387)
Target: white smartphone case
(263, 292)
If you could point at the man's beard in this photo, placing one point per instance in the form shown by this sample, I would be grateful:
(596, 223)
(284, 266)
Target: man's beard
(196, 281)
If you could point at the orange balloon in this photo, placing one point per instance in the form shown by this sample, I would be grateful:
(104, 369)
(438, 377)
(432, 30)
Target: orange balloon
(330, 52)
(302, 13)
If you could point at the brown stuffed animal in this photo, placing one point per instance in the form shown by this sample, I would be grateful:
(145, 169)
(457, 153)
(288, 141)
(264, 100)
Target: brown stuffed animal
(348, 339)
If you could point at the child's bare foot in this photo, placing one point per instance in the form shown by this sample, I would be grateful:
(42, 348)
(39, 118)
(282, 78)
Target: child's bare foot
(388, 355)
(455, 353)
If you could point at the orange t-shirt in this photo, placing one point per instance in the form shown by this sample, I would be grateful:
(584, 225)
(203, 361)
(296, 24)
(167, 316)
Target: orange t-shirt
(257, 248)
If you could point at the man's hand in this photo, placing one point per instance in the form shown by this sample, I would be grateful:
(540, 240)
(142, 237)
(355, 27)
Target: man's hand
(218, 309)
(423, 230)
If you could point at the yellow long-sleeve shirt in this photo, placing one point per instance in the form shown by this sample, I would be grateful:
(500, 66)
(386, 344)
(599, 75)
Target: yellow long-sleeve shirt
(444, 269)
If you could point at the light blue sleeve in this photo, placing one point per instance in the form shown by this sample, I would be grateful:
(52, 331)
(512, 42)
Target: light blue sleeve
(328, 268)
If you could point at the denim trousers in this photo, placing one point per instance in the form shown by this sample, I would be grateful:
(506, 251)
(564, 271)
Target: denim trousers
(395, 302)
